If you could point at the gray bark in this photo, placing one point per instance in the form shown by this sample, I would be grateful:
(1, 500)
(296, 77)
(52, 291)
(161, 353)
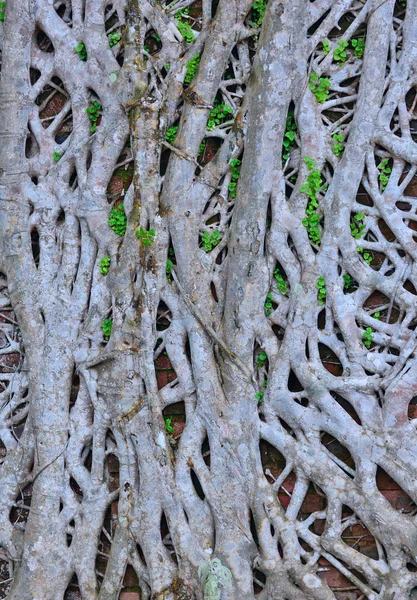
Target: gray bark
(249, 313)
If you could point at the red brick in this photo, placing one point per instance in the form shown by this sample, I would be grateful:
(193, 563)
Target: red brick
(129, 596)
(334, 578)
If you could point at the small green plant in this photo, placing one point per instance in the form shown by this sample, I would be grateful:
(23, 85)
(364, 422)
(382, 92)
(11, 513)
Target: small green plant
(376, 315)
(320, 87)
(93, 112)
(312, 187)
(168, 427)
(338, 146)
(321, 287)
(114, 38)
(384, 171)
(367, 337)
(268, 305)
(81, 50)
(289, 136)
(261, 359)
(118, 220)
(171, 134)
(146, 238)
(326, 47)
(210, 240)
(357, 227)
(258, 11)
(358, 45)
(340, 52)
(2, 11)
(235, 168)
(57, 156)
(367, 256)
(104, 265)
(281, 283)
(183, 27)
(218, 114)
(260, 397)
(347, 281)
(191, 68)
(106, 327)
(168, 269)
(167, 66)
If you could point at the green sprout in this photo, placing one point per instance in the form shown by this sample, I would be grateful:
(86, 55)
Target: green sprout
(338, 146)
(261, 359)
(258, 11)
(57, 156)
(93, 112)
(2, 11)
(385, 170)
(210, 240)
(183, 27)
(191, 68)
(260, 397)
(106, 327)
(321, 287)
(81, 51)
(358, 44)
(357, 227)
(311, 188)
(340, 52)
(235, 168)
(104, 265)
(347, 281)
(268, 305)
(146, 238)
(281, 283)
(289, 136)
(326, 47)
(367, 256)
(118, 220)
(114, 38)
(367, 337)
(168, 427)
(320, 87)
(218, 114)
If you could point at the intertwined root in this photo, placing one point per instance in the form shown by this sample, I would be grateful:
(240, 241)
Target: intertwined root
(207, 208)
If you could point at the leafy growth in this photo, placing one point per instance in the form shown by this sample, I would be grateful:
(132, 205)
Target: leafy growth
(321, 287)
(338, 146)
(168, 427)
(171, 134)
(104, 265)
(384, 171)
(106, 327)
(268, 305)
(260, 397)
(114, 38)
(218, 114)
(340, 52)
(168, 269)
(326, 47)
(348, 281)
(258, 11)
(367, 337)
(358, 44)
(367, 256)
(93, 114)
(312, 187)
(57, 156)
(281, 283)
(261, 359)
(146, 238)
(118, 219)
(320, 87)
(2, 11)
(235, 168)
(289, 136)
(183, 26)
(210, 240)
(357, 227)
(81, 50)
(191, 68)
